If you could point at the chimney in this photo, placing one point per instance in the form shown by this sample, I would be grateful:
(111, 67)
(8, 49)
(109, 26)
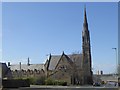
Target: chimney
(20, 65)
(101, 72)
(98, 72)
(28, 63)
(8, 63)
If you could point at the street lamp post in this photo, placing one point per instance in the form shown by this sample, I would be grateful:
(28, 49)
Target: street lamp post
(116, 58)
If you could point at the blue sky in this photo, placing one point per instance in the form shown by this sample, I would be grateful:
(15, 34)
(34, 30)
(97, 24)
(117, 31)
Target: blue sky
(37, 29)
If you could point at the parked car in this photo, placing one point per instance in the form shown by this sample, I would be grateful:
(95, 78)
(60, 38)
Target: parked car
(96, 84)
(119, 81)
(111, 84)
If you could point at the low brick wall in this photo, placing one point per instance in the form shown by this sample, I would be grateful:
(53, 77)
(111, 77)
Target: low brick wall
(14, 83)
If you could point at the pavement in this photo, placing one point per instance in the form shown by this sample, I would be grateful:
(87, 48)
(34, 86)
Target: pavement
(37, 87)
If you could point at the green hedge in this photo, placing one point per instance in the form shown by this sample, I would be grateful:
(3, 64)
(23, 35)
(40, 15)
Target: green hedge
(37, 81)
(55, 82)
(44, 81)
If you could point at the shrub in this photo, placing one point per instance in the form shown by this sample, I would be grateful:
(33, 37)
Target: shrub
(49, 82)
(102, 82)
(32, 80)
(37, 80)
(55, 82)
(40, 81)
(63, 83)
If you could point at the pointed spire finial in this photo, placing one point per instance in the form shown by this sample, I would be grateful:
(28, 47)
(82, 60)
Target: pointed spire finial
(85, 16)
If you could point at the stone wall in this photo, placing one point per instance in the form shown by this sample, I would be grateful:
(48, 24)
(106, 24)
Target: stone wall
(64, 71)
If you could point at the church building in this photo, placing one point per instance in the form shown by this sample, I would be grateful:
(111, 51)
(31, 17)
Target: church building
(73, 69)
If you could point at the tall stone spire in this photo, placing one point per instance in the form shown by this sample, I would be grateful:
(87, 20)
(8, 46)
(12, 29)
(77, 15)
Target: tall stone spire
(85, 24)
(85, 16)
(86, 52)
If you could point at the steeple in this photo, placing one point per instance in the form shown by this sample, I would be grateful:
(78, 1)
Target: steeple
(86, 52)
(85, 16)
(86, 42)
(85, 24)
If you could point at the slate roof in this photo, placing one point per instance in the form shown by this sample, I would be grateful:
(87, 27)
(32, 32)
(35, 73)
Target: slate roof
(46, 64)
(76, 58)
(53, 61)
(69, 59)
(26, 67)
(4, 70)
